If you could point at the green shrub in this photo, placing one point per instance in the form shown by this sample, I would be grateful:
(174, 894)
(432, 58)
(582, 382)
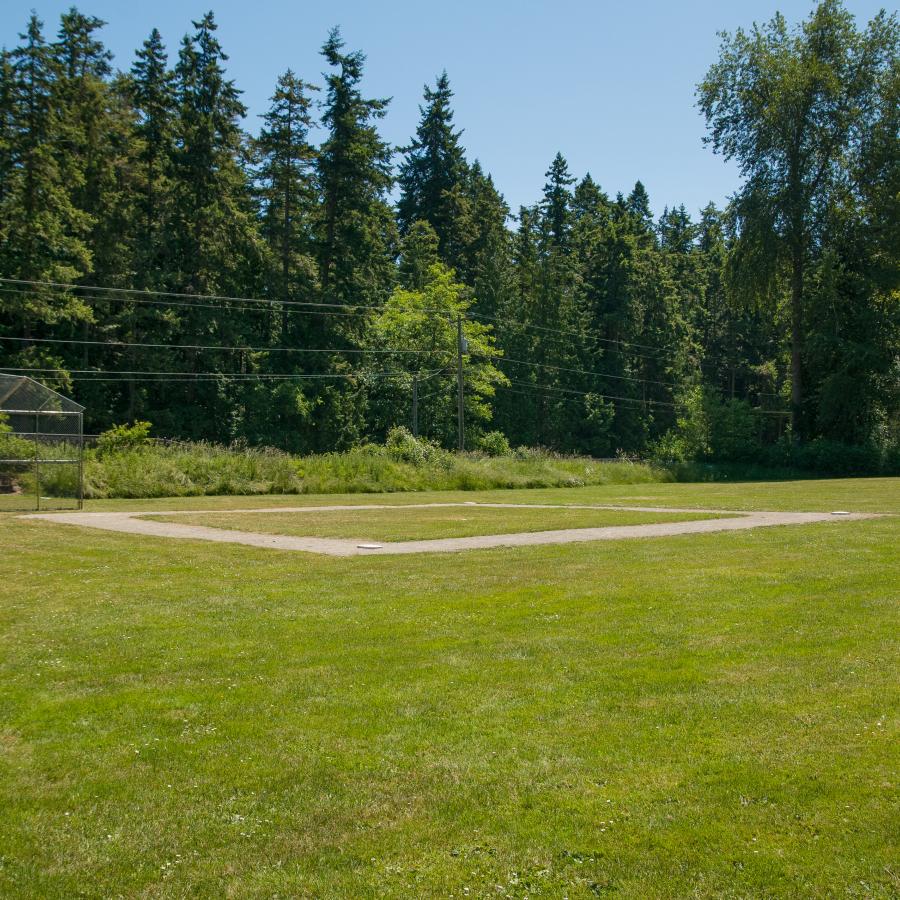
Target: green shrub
(123, 437)
(402, 445)
(494, 443)
(13, 447)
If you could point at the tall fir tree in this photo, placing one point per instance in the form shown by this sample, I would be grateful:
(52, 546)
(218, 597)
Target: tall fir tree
(80, 88)
(96, 150)
(485, 261)
(556, 203)
(286, 191)
(419, 252)
(286, 186)
(215, 246)
(7, 125)
(638, 206)
(432, 176)
(152, 89)
(43, 233)
(355, 233)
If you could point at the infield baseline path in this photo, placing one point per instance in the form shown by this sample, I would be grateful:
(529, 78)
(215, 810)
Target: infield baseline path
(133, 523)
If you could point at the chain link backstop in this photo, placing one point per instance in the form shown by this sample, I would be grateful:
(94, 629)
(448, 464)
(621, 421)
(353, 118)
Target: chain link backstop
(41, 447)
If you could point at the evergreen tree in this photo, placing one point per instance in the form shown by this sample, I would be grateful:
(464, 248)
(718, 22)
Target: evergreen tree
(81, 96)
(42, 235)
(216, 246)
(7, 125)
(286, 189)
(638, 205)
(433, 174)
(355, 232)
(419, 253)
(553, 306)
(153, 96)
(517, 407)
(589, 420)
(484, 262)
(676, 232)
(95, 151)
(286, 185)
(556, 204)
(214, 240)
(43, 232)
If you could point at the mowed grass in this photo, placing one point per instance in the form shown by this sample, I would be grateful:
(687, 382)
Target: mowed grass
(704, 715)
(26, 503)
(409, 523)
(853, 494)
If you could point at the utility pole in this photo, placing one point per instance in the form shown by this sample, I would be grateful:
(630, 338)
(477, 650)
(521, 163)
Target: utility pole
(460, 413)
(415, 409)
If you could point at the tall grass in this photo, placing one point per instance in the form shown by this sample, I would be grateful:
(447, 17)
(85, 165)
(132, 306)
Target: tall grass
(179, 470)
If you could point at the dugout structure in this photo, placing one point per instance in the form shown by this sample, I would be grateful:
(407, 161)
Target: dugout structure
(41, 447)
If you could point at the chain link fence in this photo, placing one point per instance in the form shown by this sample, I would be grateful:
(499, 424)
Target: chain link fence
(41, 447)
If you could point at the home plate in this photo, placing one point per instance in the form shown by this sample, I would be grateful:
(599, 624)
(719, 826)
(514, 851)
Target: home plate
(369, 546)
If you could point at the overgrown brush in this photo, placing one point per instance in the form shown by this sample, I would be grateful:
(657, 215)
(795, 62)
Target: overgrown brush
(404, 463)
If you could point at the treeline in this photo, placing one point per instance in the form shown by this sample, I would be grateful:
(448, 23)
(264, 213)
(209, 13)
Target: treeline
(160, 262)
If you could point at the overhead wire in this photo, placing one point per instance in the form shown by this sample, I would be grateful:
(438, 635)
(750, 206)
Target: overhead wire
(264, 304)
(553, 388)
(163, 376)
(136, 295)
(235, 348)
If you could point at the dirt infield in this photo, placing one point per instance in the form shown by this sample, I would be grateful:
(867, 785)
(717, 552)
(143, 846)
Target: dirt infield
(134, 523)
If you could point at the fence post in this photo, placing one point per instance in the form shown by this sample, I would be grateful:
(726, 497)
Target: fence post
(37, 464)
(460, 399)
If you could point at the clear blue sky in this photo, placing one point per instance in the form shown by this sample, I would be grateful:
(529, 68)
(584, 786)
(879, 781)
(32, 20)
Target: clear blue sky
(610, 84)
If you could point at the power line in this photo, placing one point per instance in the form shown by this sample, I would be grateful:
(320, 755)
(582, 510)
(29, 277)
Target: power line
(511, 390)
(61, 285)
(658, 352)
(523, 362)
(547, 387)
(631, 378)
(569, 332)
(507, 321)
(250, 376)
(215, 346)
(149, 301)
(141, 294)
(265, 303)
(340, 309)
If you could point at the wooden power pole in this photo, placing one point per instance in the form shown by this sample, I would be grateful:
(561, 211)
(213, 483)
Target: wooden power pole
(460, 410)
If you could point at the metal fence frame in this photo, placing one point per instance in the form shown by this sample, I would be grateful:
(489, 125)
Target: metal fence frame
(51, 426)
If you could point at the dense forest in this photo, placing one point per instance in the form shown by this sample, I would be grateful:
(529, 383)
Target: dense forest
(161, 262)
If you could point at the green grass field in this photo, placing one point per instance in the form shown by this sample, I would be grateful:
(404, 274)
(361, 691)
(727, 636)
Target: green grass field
(854, 494)
(422, 523)
(26, 503)
(695, 716)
